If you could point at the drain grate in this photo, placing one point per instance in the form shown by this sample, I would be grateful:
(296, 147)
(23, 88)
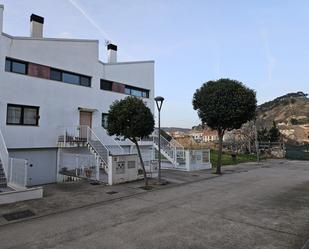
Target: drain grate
(111, 192)
(146, 188)
(95, 183)
(18, 215)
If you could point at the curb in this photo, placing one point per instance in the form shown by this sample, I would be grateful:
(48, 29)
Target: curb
(105, 201)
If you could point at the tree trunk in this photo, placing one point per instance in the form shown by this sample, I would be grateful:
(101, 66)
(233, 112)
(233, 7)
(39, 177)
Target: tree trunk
(220, 134)
(141, 160)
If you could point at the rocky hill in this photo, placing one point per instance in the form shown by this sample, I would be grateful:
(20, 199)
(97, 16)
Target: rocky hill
(291, 114)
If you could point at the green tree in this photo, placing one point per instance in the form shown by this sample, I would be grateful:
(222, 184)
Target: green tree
(274, 133)
(263, 135)
(133, 120)
(224, 105)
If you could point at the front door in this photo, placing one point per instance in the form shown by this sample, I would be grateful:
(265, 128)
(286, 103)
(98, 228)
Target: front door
(85, 119)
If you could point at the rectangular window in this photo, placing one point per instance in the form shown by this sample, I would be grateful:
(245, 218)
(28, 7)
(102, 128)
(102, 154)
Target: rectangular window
(22, 115)
(127, 91)
(55, 75)
(104, 120)
(46, 72)
(122, 88)
(8, 64)
(85, 81)
(70, 78)
(137, 92)
(106, 85)
(16, 66)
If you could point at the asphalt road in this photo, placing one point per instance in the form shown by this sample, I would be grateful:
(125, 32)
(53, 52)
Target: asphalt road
(260, 207)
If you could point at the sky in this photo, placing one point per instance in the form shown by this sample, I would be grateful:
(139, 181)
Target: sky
(262, 43)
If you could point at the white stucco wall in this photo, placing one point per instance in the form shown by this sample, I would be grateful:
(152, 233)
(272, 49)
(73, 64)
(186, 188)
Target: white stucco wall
(59, 101)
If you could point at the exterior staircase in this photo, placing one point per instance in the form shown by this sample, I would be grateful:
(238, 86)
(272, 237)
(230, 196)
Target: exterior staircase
(170, 148)
(100, 151)
(3, 181)
(98, 142)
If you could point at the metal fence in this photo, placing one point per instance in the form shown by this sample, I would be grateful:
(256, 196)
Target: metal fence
(4, 155)
(199, 156)
(297, 152)
(18, 172)
(80, 165)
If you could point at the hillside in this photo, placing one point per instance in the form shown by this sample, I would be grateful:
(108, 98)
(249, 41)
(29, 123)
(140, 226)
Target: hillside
(291, 114)
(174, 129)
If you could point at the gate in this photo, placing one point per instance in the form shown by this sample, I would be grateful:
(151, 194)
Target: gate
(297, 152)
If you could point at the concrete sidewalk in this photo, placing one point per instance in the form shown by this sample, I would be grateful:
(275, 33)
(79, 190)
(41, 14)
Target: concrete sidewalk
(248, 207)
(63, 197)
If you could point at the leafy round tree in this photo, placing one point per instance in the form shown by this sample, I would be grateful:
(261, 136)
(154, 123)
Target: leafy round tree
(224, 105)
(131, 119)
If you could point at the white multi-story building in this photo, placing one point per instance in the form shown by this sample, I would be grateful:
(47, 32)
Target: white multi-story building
(50, 87)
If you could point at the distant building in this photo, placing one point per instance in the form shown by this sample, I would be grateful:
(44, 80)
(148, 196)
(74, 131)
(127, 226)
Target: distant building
(210, 136)
(177, 134)
(197, 135)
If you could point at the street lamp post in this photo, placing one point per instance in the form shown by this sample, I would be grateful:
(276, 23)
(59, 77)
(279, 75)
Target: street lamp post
(159, 101)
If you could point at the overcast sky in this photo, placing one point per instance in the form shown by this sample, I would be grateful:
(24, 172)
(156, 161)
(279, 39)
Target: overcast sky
(263, 43)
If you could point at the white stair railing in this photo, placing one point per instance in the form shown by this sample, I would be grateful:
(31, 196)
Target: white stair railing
(16, 170)
(4, 155)
(110, 143)
(98, 146)
(166, 147)
(172, 148)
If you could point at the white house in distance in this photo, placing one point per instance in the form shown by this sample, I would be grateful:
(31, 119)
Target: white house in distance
(55, 93)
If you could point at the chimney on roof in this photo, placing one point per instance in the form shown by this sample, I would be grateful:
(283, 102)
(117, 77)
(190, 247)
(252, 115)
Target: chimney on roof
(36, 26)
(1, 17)
(111, 53)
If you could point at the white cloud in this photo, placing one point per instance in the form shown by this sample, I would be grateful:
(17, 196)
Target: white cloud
(270, 58)
(91, 20)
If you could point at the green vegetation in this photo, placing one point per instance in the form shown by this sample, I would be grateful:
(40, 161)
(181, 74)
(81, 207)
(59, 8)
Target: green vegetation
(271, 135)
(224, 105)
(227, 158)
(285, 99)
(131, 118)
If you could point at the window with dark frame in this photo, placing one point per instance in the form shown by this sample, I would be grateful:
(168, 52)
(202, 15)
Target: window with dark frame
(16, 66)
(106, 85)
(71, 78)
(104, 120)
(129, 90)
(137, 92)
(22, 115)
(55, 74)
(21, 67)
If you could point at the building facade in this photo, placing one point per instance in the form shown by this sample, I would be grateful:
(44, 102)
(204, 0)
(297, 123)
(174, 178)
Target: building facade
(47, 84)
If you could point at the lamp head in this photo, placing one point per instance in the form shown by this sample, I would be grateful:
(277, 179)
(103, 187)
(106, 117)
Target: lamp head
(159, 101)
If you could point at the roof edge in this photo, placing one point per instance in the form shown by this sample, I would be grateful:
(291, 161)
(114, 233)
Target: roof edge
(126, 62)
(48, 39)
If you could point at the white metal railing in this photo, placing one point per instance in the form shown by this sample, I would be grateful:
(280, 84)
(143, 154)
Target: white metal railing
(80, 165)
(172, 148)
(17, 172)
(95, 142)
(78, 135)
(4, 154)
(199, 156)
(165, 146)
(73, 135)
(109, 141)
